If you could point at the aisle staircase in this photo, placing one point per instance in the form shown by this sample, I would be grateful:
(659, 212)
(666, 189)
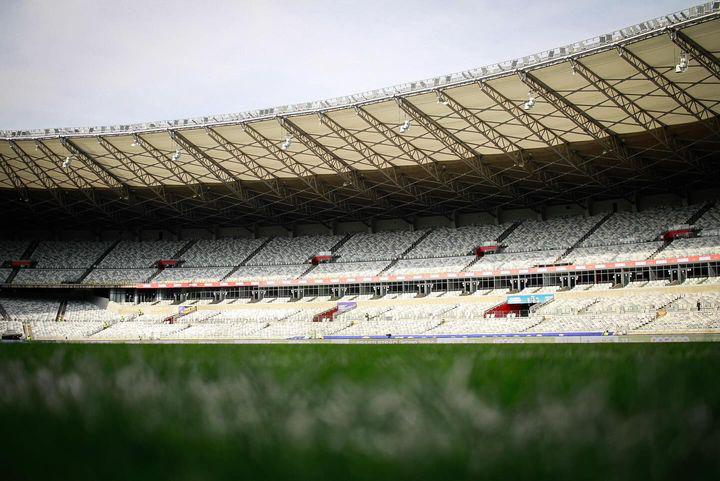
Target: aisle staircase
(696, 216)
(27, 253)
(414, 244)
(307, 271)
(340, 243)
(582, 239)
(508, 231)
(97, 262)
(405, 252)
(660, 249)
(247, 259)
(177, 256)
(61, 311)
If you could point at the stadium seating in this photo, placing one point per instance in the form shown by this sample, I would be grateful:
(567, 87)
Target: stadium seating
(623, 236)
(85, 311)
(47, 276)
(4, 274)
(22, 309)
(293, 250)
(68, 254)
(517, 260)
(280, 271)
(64, 330)
(118, 276)
(612, 253)
(12, 250)
(558, 233)
(138, 330)
(638, 227)
(378, 246)
(430, 265)
(347, 269)
(693, 247)
(447, 242)
(220, 252)
(192, 274)
(131, 254)
(710, 220)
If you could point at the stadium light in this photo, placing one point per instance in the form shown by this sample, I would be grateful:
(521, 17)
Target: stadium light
(682, 65)
(441, 99)
(530, 102)
(134, 143)
(288, 142)
(176, 156)
(66, 162)
(405, 126)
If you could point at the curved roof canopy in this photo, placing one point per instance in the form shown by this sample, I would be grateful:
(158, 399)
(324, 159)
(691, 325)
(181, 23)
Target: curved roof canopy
(632, 111)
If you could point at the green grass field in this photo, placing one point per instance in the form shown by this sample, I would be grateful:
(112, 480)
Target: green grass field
(322, 412)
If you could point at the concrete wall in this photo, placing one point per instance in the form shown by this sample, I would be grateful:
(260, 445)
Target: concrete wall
(351, 227)
(311, 229)
(433, 221)
(474, 218)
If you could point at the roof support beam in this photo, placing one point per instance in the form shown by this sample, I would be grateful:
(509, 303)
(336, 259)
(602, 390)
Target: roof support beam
(338, 165)
(186, 178)
(653, 126)
(548, 136)
(102, 173)
(686, 101)
(15, 180)
(48, 183)
(703, 57)
(382, 164)
(227, 178)
(514, 152)
(473, 160)
(301, 171)
(607, 139)
(257, 169)
(78, 181)
(153, 184)
(429, 165)
(278, 187)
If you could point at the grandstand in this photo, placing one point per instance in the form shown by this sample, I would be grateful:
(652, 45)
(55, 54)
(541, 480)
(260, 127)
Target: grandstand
(568, 193)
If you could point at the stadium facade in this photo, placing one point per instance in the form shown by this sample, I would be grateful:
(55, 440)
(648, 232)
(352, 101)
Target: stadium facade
(569, 192)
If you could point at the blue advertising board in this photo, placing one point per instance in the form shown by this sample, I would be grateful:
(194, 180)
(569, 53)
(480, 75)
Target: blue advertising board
(529, 298)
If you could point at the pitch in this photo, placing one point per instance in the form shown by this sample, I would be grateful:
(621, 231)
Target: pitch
(359, 412)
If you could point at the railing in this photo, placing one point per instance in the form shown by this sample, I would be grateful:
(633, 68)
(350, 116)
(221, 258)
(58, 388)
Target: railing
(643, 29)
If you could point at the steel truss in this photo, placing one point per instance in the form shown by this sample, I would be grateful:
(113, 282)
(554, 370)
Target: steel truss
(379, 161)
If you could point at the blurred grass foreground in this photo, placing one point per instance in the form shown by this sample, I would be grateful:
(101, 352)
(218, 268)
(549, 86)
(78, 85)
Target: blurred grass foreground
(401, 412)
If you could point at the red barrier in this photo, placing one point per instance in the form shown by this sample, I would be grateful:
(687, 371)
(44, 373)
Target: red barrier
(163, 263)
(678, 234)
(320, 259)
(15, 264)
(504, 309)
(486, 249)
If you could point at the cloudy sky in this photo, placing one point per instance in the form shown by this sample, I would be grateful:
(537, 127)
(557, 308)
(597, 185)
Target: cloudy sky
(70, 63)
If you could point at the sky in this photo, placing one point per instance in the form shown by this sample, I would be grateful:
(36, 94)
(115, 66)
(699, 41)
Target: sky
(72, 63)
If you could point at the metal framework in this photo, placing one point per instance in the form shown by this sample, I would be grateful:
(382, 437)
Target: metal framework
(654, 127)
(546, 135)
(471, 145)
(380, 162)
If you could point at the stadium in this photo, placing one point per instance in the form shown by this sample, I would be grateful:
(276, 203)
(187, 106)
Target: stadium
(565, 198)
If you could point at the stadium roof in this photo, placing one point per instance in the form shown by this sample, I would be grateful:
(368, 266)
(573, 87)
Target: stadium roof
(601, 118)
